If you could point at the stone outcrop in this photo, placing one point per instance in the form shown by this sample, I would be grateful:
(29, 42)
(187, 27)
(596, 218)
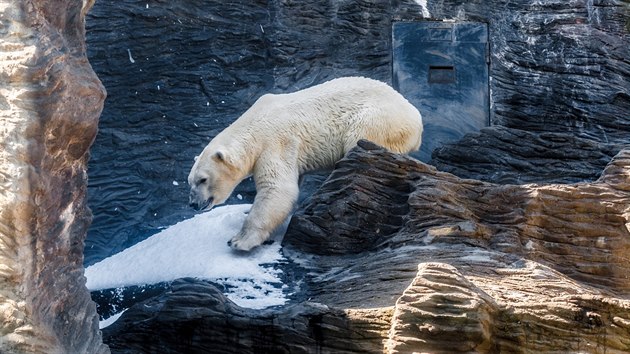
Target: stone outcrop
(496, 262)
(514, 241)
(458, 266)
(390, 254)
(50, 101)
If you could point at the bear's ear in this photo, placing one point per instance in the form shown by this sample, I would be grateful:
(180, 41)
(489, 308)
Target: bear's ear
(219, 156)
(224, 158)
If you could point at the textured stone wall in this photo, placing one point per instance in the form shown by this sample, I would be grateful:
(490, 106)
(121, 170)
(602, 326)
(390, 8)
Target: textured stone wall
(556, 66)
(50, 101)
(563, 63)
(559, 80)
(215, 58)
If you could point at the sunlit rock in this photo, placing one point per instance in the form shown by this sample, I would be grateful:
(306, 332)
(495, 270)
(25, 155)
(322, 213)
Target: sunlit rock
(465, 266)
(50, 101)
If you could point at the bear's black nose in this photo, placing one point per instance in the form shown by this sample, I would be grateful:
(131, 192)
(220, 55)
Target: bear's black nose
(200, 206)
(193, 202)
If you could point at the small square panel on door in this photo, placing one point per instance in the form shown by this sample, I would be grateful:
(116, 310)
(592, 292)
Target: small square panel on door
(442, 69)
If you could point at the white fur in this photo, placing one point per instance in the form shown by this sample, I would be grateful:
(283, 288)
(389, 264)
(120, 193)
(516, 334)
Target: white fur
(282, 136)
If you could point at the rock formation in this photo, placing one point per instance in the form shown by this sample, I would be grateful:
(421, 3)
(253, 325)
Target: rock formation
(559, 82)
(515, 241)
(423, 261)
(50, 101)
(390, 254)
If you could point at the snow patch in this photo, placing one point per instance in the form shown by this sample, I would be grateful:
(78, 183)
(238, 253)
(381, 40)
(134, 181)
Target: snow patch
(425, 9)
(108, 321)
(198, 248)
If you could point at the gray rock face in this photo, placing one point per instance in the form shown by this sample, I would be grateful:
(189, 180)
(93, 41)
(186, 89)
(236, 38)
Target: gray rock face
(393, 255)
(508, 155)
(194, 316)
(559, 81)
(50, 101)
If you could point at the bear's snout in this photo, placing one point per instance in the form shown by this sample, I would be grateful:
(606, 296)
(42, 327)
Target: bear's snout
(195, 203)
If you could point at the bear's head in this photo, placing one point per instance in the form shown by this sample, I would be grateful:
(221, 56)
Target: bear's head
(212, 178)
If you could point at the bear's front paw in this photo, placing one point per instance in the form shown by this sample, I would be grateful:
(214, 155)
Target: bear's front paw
(244, 242)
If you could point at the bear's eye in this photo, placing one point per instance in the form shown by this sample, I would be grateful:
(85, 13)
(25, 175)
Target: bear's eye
(202, 181)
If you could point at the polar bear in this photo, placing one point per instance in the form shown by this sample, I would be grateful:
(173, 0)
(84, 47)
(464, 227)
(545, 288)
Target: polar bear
(282, 136)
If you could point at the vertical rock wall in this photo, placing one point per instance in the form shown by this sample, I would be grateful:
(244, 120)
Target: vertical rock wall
(50, 101)
(556, 66)
(215, 58)
(560, 80)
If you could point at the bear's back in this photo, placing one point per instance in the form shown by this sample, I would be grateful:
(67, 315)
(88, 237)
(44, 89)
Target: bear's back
(328, 119)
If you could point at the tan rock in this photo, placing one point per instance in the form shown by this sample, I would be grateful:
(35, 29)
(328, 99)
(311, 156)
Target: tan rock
(500, 268)
(50, 101)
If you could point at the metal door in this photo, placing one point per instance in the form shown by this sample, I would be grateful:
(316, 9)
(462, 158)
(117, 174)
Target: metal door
(442, 69)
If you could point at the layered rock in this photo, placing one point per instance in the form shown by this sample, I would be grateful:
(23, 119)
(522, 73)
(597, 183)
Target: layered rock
(50, 101)
(392, 254)
(559, 80)
(555, 67)
(589, 217)
(458, 266)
